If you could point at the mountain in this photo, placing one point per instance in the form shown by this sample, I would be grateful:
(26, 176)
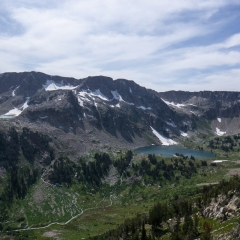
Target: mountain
(66, 169)
(101, 113)
(220, 109)
(208, 104)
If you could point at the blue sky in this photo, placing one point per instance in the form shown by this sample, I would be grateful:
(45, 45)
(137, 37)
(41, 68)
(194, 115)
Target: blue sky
(187, 45)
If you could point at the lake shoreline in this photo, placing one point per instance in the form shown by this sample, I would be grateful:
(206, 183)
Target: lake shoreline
(173, 150)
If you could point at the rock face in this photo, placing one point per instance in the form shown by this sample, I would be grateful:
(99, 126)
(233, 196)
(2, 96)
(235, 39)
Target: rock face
(206, 103)
(120, 108)
(99, 111)
(234, 234)
(222, 207)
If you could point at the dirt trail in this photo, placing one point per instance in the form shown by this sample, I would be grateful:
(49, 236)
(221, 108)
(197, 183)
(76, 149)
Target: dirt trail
(65, 223)
(74, 217)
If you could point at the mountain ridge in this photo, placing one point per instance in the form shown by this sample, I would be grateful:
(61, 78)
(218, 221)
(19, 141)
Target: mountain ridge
(118, 111)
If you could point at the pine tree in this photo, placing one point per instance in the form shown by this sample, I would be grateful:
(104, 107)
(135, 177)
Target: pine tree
(143, 233)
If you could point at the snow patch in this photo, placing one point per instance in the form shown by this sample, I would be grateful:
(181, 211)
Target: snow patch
(80, 101)
(165, 141)
(183, 134)
(219, 161)
(178, 105)
(25, 105)
(50, 85)
(97, 93)
(130, 90)
(128, 103)
(83, 93)
(13, 93)
(84, 96)
(219, 119)
(118, 97)
(144, 108)
(44, 117)
(14, 112)
(17, 111)
(88, 95)
(219, 132)
(171, 124)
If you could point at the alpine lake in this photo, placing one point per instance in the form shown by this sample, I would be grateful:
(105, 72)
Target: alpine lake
(170, 151)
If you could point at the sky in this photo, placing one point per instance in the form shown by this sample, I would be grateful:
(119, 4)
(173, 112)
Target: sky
(188, 45)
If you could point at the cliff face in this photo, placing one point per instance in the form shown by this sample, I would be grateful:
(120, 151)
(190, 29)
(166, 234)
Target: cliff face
(223, 207)
(116, 112)
(182, 96)
(210, 104)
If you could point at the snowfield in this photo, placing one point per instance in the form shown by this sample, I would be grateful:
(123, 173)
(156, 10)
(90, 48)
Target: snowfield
(178, 105)
(13, 93)
(17, 111)
(183, 134)
(145, 108)
(219, 132)
(165, 141)
(118, 97)
(50, 85)
(171, 124)
(88, 95)
(14, 112)
(219, 161)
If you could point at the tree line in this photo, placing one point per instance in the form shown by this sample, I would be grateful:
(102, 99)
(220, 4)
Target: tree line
(226, 144)
(18, 152)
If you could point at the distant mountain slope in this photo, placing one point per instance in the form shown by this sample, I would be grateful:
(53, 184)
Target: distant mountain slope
(221, 109)
(98, 112)
(211, 104)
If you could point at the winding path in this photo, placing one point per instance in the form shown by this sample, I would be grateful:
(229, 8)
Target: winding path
(65, 223)
(62, 224)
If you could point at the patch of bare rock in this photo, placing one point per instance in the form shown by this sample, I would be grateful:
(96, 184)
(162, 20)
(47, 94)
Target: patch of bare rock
(223, 207)
(52, 234)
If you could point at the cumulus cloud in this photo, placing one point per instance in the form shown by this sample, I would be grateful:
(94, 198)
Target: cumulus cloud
(155, 43)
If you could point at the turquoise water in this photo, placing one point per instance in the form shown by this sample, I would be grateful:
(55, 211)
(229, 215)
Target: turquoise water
(6, 117)
(169, 151)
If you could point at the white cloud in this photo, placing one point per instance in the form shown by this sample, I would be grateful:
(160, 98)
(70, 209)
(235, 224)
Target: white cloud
(233, 41)
(117, 38)
(227, 80)
(200, 59)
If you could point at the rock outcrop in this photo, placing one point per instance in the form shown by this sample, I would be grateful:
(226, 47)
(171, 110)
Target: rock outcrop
(223, 207)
